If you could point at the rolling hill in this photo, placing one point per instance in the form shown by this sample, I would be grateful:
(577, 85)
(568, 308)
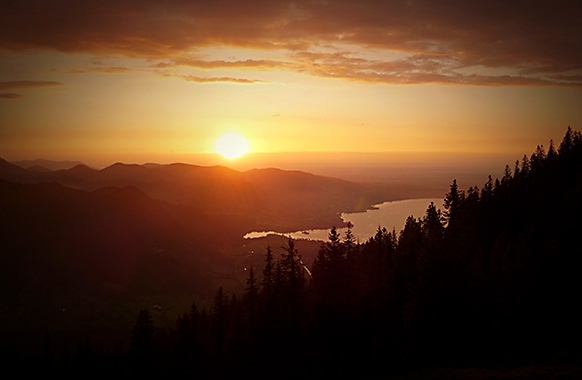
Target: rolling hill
(263, 198)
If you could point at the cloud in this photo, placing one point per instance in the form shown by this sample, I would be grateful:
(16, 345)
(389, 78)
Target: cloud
(567, 78)
(26, 84)
(9, 95)
(22, 84)
(416, 69)
(108, 70)
(222, 64)
(531, 40)
(197, 79)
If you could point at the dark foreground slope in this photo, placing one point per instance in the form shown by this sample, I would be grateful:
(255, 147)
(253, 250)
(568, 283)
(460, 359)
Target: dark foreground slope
(118, 237)
(78, 264)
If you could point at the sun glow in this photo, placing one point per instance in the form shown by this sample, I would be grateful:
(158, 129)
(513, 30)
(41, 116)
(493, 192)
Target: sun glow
(231, 145)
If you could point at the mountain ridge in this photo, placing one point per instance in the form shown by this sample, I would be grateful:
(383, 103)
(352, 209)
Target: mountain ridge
(47, 164)
(278, 199)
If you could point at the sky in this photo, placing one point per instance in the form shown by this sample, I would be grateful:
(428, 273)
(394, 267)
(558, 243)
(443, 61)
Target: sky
(141, 81)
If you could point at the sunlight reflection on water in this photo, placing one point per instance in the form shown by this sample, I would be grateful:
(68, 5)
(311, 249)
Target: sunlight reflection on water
(388, 214)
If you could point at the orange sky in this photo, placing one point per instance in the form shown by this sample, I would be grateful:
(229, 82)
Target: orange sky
(138, 81)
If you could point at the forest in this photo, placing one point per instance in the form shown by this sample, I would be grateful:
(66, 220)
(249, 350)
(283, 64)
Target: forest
(491, 279)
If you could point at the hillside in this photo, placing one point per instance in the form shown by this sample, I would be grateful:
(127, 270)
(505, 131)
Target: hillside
(54, 236)
(267, 199)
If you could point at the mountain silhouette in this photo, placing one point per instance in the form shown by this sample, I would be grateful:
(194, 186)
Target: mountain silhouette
(47, 164)
(265, 198)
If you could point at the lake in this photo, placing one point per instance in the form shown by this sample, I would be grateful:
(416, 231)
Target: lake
(388, 214)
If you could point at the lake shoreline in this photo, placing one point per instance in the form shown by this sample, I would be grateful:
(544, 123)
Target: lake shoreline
(389, 215)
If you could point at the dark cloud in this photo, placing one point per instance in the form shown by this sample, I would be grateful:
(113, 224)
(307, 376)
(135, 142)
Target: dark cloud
(10, 95)
(26, 84)
(534, 39)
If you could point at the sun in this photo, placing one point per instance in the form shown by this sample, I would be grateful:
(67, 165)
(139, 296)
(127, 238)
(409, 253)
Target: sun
(231, 145)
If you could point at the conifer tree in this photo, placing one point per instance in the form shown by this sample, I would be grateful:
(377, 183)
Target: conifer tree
(452, 204)
(567, 142)
(487, 190)
(291, 266)
(142, 344)
(220, 319)
(252, 289)
(268, 273)
(525, 165)
(252, 293)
